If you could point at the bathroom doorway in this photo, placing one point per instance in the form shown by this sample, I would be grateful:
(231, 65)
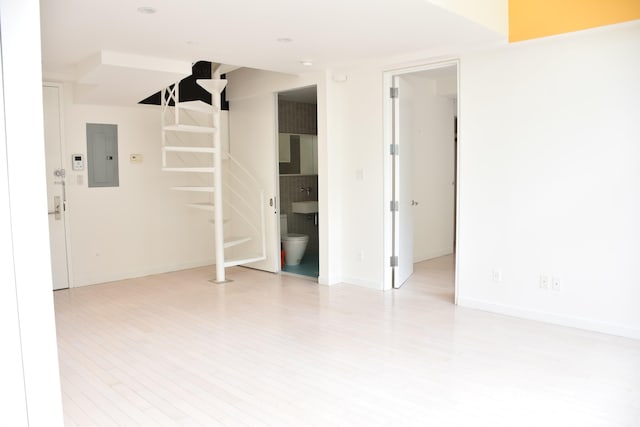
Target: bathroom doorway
(298, 181)
(421, 117)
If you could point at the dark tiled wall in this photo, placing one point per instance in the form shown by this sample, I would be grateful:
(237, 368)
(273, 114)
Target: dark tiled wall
(297, 117)
(290, 192)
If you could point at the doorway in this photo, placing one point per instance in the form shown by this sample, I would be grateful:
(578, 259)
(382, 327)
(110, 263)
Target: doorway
(56, 185)
(298, 181)
(421, 118)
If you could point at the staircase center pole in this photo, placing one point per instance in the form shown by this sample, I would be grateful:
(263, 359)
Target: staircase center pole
(218, 214)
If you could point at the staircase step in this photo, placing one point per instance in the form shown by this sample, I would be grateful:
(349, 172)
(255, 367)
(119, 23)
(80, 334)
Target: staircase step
(224, 221)
(199, 106)
(190, 128)
(213, 86)
(203, 206)
(186, 169)
(234, 241)
(241, 261)
(179, 149)
(200, 189)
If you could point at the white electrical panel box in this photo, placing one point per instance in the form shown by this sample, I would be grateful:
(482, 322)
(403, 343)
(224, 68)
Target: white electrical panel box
(77, 162)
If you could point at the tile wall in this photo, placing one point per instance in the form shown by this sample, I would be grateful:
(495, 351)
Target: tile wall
(290, 192)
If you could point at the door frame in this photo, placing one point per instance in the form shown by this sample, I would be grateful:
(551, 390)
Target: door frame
(66, 167)
(388, 171)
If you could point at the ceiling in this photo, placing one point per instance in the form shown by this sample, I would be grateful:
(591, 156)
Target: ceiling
(115, 54)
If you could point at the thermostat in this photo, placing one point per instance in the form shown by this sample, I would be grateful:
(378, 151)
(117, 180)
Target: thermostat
(77, 162)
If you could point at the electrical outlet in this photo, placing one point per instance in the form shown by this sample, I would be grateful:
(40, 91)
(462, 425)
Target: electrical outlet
(496, 275)
(556, 284)
(544, 282)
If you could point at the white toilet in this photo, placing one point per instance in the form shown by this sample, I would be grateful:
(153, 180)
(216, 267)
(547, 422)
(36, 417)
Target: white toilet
(294, 244)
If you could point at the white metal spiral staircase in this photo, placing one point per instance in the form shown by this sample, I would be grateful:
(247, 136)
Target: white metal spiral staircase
(192, 147)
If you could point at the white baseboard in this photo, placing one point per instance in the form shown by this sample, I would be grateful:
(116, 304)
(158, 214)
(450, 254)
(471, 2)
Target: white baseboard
(123, 275)
(432, 255)
(362, 282)
(556, 319)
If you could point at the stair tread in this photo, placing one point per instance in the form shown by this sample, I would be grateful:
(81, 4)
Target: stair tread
(245, 260)
(206, 189)
(199, 106)
(204, 206)
(224, 221)
(190, 169)
(189, 149)
(235, 240)
(213, 86)
(190, 128)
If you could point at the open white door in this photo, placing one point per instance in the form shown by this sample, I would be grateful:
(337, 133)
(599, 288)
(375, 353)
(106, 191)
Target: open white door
(253, 143)
(56, 193)
(402, 211)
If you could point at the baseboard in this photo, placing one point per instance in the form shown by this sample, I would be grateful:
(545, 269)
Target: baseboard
(362, 282)
(432, 255)
(124, 275)
(556, 319)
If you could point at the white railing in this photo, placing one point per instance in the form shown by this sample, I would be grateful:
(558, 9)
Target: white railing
(245, 200)
(236, 195)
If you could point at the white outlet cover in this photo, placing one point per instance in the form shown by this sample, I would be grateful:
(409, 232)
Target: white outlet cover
(544, 281)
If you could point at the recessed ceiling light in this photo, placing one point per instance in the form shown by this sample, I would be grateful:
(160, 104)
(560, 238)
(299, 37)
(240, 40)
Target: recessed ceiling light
(284, 40)
(306, 63)
(146, 10)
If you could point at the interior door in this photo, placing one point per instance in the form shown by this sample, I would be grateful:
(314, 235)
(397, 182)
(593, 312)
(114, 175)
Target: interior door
(253, 142)
(403, 242)
(55, 187)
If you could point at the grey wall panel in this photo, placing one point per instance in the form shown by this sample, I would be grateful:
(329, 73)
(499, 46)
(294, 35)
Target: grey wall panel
(102, 155)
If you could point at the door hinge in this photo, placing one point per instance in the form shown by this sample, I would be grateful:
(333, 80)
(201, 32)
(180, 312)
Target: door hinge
(393, 92)
(393, 261)
(394, 149)
(394, 206)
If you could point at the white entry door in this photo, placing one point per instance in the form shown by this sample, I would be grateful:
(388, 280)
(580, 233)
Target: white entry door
(253, 143)
(55, 187)
(403, 241)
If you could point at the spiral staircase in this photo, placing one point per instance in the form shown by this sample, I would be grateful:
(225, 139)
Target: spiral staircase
(192, 149)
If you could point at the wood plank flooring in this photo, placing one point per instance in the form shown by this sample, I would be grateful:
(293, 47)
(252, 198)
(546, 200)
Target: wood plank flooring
(277, 350)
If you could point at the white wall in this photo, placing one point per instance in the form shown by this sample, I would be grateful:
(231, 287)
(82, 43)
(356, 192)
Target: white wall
(549, 137)
(247, 83)
(30, 390)
(493, 14)
(141, 227)
(431, 133)
(550, 182)
(354, 133)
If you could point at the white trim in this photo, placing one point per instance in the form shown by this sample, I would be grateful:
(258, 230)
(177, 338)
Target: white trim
(432, 255)
(149, 271)
(542, 316)
(65, 165)
(387, 140)
(363, 283)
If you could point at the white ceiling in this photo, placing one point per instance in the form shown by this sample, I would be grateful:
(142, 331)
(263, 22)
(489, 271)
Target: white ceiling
(330, 33)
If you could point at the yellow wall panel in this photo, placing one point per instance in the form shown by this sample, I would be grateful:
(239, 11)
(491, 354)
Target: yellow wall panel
(530, 19)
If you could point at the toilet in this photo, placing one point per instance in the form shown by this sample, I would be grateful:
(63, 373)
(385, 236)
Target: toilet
(294, 244)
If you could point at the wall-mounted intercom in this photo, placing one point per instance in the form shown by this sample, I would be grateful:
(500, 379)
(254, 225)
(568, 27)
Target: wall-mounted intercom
(77, 162)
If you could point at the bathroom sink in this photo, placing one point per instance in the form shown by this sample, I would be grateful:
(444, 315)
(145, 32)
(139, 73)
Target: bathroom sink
(308, 207)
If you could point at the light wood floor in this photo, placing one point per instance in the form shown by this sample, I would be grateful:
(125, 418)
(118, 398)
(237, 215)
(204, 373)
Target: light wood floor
(270, 350)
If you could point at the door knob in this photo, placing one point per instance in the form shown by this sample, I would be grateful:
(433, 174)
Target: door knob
(414, 203)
